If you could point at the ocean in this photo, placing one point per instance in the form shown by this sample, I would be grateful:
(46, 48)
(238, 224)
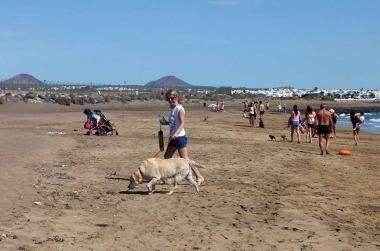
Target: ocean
(371, 121)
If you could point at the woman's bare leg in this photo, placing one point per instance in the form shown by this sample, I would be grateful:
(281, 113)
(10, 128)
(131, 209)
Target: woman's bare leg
(291, 133)
(298, 135)
(170, 150)
(355, 137)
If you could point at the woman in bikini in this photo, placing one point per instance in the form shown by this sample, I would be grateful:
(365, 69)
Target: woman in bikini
(309, 119)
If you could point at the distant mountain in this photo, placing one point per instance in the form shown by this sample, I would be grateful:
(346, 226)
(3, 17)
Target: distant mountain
(168, 82)
(22, 81)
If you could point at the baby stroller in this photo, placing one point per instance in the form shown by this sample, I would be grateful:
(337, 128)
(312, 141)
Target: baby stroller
(98, 123)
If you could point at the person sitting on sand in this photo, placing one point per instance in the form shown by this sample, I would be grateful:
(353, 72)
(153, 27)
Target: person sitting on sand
(294, 122)
(323, 123)
(178, 137)
(92, 118)
(309, 120)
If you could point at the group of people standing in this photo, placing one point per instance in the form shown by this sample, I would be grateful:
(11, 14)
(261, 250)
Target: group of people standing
(254, 109)
(322, 123)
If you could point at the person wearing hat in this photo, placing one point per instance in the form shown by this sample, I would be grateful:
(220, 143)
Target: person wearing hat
(323, 123)
(334, 118)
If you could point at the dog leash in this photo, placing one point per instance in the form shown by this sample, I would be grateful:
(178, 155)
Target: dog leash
(158, 152)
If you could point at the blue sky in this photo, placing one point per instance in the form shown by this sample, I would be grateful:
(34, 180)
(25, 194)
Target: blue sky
(253, 43)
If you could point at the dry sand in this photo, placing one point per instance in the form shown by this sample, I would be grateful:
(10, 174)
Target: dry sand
(258, 195)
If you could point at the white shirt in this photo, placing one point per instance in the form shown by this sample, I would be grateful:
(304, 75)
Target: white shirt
(174, 121)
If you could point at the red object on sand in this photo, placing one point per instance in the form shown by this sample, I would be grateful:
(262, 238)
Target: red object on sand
(87, 125)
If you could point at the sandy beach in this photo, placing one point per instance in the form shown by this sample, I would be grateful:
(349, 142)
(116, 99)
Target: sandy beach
(258, 195)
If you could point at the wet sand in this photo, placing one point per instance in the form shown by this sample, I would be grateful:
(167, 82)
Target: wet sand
(258, 195)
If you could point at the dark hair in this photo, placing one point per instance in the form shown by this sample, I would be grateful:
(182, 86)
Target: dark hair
(352, 114)
(309, 109)
(87, 111)
(295, 109)
(353, 118)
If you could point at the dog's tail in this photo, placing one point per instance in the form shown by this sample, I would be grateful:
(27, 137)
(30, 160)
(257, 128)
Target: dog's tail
(193, 163)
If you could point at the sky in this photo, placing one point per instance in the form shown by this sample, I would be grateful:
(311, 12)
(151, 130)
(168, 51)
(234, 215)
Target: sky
(251, 43)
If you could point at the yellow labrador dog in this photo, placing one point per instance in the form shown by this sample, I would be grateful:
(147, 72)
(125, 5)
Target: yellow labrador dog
(153, 169)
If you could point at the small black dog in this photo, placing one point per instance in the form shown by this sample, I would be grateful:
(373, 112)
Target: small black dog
(272, 138)
(284, 138)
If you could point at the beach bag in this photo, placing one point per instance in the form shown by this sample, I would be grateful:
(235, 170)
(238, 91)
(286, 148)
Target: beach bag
(87, 125)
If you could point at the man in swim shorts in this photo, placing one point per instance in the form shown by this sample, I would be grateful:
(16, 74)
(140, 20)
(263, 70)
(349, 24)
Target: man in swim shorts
(324, 124)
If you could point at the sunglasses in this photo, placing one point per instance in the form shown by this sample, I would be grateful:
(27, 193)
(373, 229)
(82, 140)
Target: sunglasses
(170, 98)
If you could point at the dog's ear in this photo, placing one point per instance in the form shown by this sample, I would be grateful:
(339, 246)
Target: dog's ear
(137, 177)
(134, 178)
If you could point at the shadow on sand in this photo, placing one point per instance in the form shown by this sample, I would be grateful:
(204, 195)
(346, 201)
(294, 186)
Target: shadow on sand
(241, 125)
(141, 192)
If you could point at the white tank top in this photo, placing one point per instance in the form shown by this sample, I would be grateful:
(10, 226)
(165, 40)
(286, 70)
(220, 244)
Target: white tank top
(174, 121)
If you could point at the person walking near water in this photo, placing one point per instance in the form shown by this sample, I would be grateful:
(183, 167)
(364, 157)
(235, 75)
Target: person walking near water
(357, 122)
(324, 124)
(334, 117)
(178, 137)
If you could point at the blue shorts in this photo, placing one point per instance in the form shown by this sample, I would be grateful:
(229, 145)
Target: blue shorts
(295, 123)
(179, 142)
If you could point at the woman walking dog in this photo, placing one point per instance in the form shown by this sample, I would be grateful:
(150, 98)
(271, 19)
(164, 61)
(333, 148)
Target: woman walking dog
(178, 137)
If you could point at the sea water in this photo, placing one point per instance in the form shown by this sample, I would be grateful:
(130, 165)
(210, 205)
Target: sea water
(371, 121)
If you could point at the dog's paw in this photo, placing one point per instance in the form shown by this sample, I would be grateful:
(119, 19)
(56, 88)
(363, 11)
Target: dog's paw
(170, 192)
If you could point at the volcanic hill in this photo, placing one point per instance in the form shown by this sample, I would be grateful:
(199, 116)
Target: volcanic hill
(22, 81)
(168, 82)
